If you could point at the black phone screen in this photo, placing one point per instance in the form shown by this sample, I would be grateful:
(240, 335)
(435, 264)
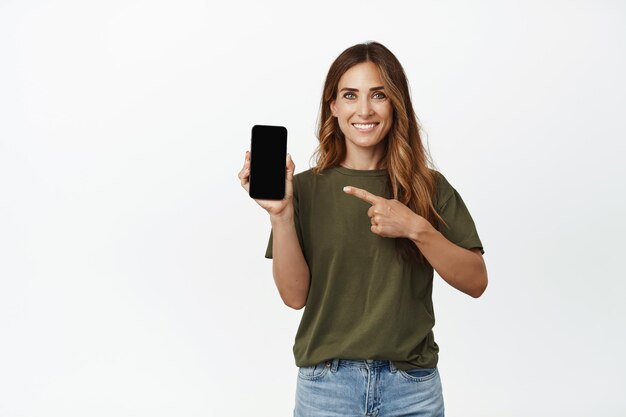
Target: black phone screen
(268, 153)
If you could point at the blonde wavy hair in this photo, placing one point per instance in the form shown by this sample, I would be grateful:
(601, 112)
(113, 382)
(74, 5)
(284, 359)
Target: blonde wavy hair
(411, 181)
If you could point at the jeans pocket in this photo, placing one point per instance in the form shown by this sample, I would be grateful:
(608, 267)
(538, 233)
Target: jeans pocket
(419, 374)
(314, 372)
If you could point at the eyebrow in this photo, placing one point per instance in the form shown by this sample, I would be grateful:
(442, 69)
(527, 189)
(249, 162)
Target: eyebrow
(356, 89)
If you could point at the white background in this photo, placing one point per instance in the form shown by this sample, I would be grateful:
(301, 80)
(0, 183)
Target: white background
(132, 276)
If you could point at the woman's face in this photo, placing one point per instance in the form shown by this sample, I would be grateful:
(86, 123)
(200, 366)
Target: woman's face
(362, 108)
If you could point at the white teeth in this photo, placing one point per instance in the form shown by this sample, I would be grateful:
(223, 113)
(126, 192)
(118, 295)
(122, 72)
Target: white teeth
(364, 126)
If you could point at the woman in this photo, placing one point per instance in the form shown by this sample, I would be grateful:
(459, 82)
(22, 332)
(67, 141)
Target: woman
(356, 239)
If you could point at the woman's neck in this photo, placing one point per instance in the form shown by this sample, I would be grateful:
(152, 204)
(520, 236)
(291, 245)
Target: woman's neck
(365, 159)
(363, 164)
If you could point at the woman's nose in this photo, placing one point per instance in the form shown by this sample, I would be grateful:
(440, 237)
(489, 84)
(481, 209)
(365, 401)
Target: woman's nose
(365, 108)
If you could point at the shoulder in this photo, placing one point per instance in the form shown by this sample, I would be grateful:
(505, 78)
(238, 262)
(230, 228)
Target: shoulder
(443, 189)
(303, 182)
(308, 177)
(304, 175)
(441, 180)
(303, 178)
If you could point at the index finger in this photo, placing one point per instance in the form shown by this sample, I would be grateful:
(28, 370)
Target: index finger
(362, 194)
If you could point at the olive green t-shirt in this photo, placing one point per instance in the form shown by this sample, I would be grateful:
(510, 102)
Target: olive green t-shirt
(365, 301)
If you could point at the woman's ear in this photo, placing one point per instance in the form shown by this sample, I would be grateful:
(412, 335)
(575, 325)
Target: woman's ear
(332, 108)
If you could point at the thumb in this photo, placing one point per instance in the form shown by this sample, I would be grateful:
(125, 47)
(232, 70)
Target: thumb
(291, 167)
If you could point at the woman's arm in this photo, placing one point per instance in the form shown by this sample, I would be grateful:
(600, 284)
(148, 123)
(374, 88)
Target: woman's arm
(464, 269)
(291, 272)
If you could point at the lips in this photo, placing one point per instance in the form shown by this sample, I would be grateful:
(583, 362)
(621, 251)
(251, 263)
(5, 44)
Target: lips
(365, 127)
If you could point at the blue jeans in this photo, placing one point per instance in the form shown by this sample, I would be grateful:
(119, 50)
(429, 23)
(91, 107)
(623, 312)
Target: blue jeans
(363, 388)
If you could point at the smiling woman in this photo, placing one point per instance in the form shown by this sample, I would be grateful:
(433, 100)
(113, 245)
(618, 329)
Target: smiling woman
(357, 239)
(364, 112)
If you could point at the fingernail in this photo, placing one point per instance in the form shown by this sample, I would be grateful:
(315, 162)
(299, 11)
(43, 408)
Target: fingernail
(346, 189)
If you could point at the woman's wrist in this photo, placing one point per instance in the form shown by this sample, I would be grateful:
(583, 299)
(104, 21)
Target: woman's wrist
(419, 229)
(284, 217)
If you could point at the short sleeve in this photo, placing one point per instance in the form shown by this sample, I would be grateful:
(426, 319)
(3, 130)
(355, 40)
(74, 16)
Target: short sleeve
(460, 228)
(268, 250)
(296, 209)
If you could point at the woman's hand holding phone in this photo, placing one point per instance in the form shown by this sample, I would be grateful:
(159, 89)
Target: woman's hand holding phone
(278, 209)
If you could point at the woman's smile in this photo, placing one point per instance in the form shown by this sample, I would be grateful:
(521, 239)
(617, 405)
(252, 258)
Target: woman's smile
(365, 127)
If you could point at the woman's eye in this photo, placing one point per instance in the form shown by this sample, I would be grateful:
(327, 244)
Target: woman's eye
(380, 95)
(349, 95)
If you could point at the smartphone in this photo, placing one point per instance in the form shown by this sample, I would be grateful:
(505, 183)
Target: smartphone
(268, 154)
